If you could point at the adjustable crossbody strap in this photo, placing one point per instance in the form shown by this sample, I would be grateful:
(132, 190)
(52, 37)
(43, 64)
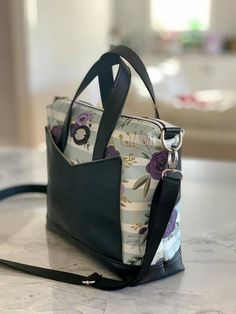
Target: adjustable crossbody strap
(19, 189)
(164, 200)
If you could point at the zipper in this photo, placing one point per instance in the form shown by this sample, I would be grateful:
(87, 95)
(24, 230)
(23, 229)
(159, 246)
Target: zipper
(122, 115)
(157, 122)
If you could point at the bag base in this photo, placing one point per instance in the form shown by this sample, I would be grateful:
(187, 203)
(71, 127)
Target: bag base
(124, 271)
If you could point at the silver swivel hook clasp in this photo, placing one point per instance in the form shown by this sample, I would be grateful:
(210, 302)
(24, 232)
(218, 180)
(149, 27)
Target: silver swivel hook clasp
(173, 154)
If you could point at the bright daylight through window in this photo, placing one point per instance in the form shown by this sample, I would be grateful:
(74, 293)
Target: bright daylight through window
(169, 15)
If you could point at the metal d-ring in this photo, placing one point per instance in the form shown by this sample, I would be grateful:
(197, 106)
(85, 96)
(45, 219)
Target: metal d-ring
(163, 140)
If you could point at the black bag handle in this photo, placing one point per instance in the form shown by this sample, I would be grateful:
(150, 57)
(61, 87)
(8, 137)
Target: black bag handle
(163, 202)
(106, 76)
(117, 98)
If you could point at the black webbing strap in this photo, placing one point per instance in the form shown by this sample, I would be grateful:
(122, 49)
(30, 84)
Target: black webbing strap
(163, 203)
(20, 189)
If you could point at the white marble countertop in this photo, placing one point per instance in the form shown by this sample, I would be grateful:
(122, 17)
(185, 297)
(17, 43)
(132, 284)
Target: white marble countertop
(207, 286)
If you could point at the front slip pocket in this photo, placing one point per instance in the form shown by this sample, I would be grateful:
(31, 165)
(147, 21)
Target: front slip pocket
(84, 200)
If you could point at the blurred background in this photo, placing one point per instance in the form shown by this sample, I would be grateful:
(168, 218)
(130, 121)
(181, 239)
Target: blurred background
(188, 46)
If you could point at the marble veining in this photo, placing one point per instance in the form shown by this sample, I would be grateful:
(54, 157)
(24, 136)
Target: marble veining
(208, 285)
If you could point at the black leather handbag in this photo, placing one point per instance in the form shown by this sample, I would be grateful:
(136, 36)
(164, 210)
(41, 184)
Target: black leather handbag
(113, 181)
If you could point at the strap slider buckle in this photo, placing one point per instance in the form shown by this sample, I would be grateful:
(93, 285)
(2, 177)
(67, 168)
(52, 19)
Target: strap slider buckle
(91, 279)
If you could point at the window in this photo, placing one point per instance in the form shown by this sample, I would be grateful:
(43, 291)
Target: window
(180, 15)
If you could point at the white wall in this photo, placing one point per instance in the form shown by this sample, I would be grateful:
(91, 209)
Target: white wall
(68, 36)
(132, 16)
(65, 37)
(223, 19)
